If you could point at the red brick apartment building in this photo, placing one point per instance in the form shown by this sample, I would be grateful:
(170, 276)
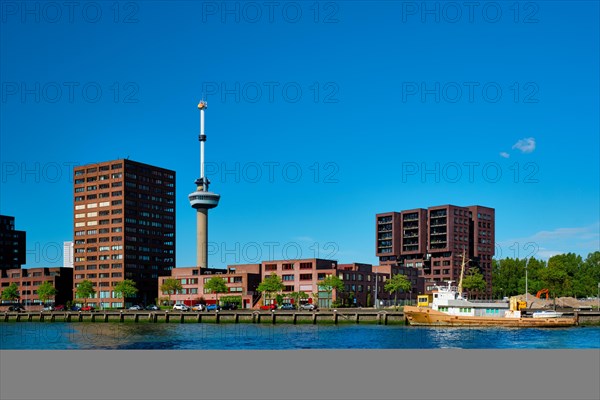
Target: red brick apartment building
(298, 276)
(433, 241)
(241, 281)
(359, 283)
(28, 279)
(124, 228)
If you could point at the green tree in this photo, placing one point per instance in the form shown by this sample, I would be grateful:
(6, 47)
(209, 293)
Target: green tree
(216, 285)
(271, 284)
(590, 274)
(171, 286)
(85, 290)
(329, 284)
(474, 281)
(46, 291)
(396, 284)
(125, 289)
(297, 296)
(555, 278)
(11, 293)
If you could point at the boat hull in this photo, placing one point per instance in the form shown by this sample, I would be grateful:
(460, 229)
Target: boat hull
(425, 316)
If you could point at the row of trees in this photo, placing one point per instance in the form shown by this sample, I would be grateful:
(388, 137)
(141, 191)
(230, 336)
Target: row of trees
(45, 292)
(272, 287)
(272, 284)
(85, 290)
(564, 275)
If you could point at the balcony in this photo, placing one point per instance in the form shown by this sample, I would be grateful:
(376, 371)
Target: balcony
(437, 213)
(437, 233)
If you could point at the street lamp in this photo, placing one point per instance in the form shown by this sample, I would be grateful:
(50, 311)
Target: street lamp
(526, 291)
(376, 303)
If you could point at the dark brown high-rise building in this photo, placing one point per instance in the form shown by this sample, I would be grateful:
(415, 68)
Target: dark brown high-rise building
(124, 228)
(12, 244)
(434, 240)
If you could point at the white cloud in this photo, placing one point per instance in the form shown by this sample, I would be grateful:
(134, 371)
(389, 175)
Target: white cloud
(545, 244)
(304, 239)
(526, 145)
(504, 154)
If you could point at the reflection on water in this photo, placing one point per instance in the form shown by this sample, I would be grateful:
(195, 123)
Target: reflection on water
(59, 335)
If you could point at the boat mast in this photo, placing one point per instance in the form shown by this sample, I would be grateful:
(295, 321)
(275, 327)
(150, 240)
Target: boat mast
(462, 272)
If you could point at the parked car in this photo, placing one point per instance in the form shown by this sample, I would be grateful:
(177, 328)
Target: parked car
(48, 308)
(87, 308)
(269, 307)
(181, 307)
(287, 306)
(59, 308)
(308, 306)
(75, 308)
(198, 307)
(136, 307)
(212, 307)
(230, 306)
(152, 307)
(16, 308)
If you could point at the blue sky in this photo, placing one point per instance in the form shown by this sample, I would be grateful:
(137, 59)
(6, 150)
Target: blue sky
(324, 115)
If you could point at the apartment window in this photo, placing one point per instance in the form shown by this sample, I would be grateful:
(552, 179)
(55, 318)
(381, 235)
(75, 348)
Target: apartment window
(321, 276)
(287, 267)
(288, 288)
(287, 278)
(305, 265)
(306, 277)
(270, 267)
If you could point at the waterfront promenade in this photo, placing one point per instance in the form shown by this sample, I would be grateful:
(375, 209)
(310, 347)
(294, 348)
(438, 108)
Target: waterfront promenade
(356, 316)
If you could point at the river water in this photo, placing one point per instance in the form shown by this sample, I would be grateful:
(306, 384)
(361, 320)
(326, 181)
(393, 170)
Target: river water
(61, 336)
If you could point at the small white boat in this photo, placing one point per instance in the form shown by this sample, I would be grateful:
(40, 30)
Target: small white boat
(547, 314)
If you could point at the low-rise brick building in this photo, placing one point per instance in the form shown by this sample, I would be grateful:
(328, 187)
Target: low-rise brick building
(241, 281)
(28, 279)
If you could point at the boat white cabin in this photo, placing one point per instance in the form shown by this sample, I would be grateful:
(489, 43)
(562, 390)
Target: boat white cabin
(446, 299)
(547, 314)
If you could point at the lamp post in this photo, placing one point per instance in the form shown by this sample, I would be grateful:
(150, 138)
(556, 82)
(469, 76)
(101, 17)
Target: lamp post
(526, 291)
(598, 296)
(376, 303)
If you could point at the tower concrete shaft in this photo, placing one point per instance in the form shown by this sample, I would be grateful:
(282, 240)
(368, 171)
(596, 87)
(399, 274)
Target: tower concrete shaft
(202, 237)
